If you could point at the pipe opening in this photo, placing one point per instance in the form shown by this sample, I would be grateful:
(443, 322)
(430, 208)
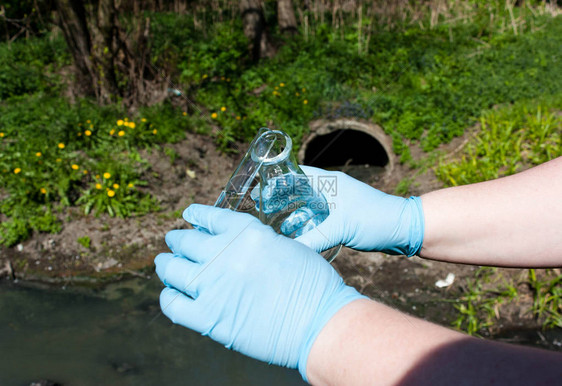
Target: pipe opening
(345, 147)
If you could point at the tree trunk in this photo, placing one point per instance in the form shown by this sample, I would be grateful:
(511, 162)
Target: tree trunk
(111, 63)
(255, 29)
(72, 21)
(286, 17)
(106, 22)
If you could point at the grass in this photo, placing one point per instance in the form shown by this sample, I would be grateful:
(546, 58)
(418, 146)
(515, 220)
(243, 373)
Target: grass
(478, 306)
(84, 241)
(53, 155)
(511, 138)
(547, 297)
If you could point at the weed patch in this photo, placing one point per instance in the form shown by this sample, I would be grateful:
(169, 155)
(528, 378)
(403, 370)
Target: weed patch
(512, 138)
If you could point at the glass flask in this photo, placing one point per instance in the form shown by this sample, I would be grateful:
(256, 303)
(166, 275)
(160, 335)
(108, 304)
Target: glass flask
(269, 184)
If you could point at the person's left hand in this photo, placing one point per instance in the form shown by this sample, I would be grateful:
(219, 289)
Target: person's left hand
(247, 287)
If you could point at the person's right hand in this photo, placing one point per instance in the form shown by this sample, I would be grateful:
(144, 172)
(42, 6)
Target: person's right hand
(249, 288)
(364, 218)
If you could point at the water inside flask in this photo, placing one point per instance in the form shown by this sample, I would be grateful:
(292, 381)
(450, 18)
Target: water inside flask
(269, 184)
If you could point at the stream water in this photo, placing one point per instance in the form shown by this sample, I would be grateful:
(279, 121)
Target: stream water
(113, 336)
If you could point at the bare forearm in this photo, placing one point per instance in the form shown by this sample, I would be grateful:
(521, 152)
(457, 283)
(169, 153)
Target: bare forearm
(514, 221)
(367, 343)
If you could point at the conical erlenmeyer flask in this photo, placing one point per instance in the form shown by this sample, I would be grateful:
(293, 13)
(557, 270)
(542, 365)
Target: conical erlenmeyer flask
(269, 184)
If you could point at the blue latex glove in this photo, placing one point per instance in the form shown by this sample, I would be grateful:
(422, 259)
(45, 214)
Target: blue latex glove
(364, 218)
(247, 287)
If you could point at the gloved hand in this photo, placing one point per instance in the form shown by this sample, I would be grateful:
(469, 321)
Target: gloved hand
(247, 287)
(364, 218)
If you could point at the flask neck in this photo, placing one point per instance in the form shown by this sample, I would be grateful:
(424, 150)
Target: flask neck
(271, 147)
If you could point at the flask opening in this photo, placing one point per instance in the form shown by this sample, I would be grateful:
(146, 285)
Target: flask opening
(272, 146)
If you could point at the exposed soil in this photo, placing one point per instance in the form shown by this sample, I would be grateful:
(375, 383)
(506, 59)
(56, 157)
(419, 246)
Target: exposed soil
(126, 247)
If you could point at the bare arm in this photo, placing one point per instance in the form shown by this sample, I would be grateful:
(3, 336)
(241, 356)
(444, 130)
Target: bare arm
(514, 221)
(367, 343)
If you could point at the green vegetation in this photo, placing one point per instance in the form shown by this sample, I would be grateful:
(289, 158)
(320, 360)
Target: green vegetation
(478, 306)
(54, 155)
(84, 241)
(403, 187)
(509, 139)
(547, 298)
(419, 84)
(480, 303)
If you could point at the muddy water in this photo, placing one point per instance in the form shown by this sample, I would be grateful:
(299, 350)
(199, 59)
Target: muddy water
(114, 336)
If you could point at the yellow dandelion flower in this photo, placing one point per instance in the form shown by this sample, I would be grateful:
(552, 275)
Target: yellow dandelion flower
(88, 133)
(205, 76)
(2, 135)
(121, 133)
(75, 167)
(214, 115)
(120, 122)
(154, 131)
(305, 102)
(223, 109)
(88, 121)
(79, 134)
(304, 89)
(61, 145)
(277, 88)
(112, 131)
(58, 160)
(97, 176)
(238, 117)
(43, 191)
(126, 124)
(85, 171)
(98, 186)
(110, 193)
(106, 175)
(143, 119)
(132, 125)
(17, 170)
(281, 84)
(38, 154)
(297, 94)
(130, 185)
(184, 113)
(115, 186)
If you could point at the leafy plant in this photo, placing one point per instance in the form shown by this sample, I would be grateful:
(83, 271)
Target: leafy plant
(403, 187)
(84, 241)
(478, 307)
(509, 139)
(547, 298)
